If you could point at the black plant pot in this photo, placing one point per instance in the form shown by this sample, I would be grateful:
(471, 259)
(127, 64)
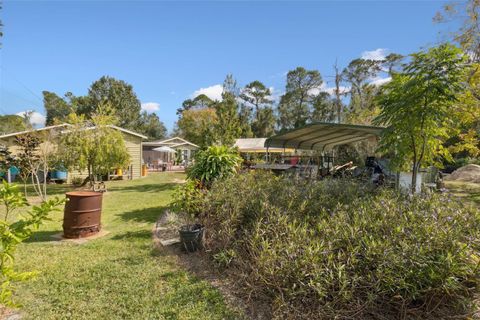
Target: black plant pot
(191, 237)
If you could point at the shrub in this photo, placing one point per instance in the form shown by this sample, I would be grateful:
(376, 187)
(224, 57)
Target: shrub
(77, 181)
(213, 163)
(335, 249)
(188, 199)
(13, 231)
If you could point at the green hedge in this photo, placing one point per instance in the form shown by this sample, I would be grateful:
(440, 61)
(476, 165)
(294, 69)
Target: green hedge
(337, 249)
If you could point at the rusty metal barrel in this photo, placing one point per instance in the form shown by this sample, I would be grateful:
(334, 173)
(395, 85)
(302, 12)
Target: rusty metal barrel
(82, 214)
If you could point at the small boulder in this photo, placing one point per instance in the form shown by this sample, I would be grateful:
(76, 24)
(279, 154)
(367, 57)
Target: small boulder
(468, 173)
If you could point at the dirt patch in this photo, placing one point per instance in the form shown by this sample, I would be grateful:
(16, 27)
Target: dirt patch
(468, 173)
(201, 266)
(59, 237)
(9, 314)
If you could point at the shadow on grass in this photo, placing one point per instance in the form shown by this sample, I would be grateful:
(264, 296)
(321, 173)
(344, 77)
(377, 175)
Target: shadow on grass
(151, 187)
(43, 236)
(149, 215)
(131, 235)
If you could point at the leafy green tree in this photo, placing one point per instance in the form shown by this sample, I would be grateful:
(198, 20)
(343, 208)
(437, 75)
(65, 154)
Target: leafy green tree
(197, 126)
(358, 74)
(120, 95)
(257, 95)
(296, 104)
(125, 106)
(323, 108)
(230, 85)
(467, 116)
(392, 62)
(228, 127)
(11, 123)
(37, 154)
(27, 157)
(245, 120)
(93, 145)
(264, 125)
(151, 126)
(199, 102)
(468, 35)
(57, 108)
(416, 106)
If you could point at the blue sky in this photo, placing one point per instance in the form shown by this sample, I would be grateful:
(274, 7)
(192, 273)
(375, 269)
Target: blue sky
(169, 51)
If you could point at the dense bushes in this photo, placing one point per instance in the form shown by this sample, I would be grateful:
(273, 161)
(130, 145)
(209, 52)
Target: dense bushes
(335, 249)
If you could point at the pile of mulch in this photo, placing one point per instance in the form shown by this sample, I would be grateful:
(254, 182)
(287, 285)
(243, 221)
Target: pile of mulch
(165, 237)
(468, 173)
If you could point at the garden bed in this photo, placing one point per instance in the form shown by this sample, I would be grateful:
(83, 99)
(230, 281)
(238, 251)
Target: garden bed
(338, 249)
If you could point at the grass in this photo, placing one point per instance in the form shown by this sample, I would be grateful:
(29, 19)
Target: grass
(119, 276)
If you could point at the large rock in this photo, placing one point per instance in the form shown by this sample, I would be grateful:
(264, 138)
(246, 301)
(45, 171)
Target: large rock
(470, 173)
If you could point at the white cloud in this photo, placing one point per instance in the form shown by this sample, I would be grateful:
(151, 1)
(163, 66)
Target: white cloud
(150, 106)
(213, 92)
(378, 54)
(378, 81)
(275, 94)
(37, 120)
(329, 90)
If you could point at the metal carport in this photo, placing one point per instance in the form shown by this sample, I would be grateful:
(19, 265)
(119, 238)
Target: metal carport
(322, 136)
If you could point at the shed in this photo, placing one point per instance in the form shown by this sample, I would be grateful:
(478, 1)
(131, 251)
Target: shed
(133, 143)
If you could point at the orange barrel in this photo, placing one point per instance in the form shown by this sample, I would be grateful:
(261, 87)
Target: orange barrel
(144, 170)
(82, 214)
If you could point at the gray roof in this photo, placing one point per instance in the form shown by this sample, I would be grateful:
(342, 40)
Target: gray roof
(13, 134)
(65, 125)
(322, 135)
(256, 145)
(170, 142)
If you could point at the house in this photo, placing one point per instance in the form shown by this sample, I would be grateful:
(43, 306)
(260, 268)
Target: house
(133, 143)
(185, 151)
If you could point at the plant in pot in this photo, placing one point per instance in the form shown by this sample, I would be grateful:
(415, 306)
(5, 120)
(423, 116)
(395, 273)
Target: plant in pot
(187, 201)
(215, 162)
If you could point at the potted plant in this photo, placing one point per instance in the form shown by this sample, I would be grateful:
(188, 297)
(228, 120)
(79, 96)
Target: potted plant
(187, 201)
(215, 162)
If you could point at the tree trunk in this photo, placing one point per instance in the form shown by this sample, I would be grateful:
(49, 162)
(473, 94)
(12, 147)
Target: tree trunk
(89, 168)
(45, 174)
(414, 178)
(25, 186)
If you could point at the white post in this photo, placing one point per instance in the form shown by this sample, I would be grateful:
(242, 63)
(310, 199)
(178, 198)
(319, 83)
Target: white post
(9, 176)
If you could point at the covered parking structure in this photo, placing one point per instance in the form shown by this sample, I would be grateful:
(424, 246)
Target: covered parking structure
(322, 136)
(313, 144)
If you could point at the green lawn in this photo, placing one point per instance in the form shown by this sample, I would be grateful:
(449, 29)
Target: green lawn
(119, 276)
